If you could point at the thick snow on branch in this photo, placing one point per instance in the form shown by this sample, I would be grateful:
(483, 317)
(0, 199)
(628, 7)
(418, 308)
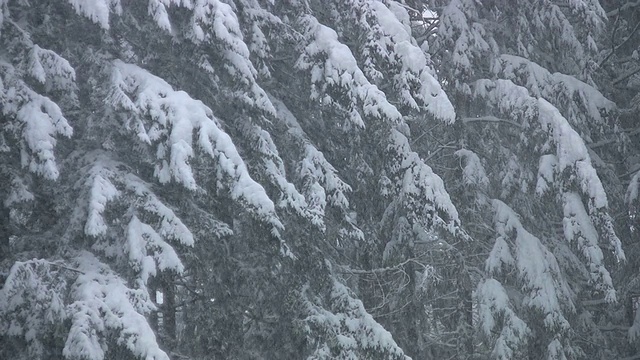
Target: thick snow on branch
(496, 316)
(321, 184)
(215, 22)
(51, 69)
(465, 39)
(422, 192)
(32, 302)
(335, 73)
(580, 102)
(342, 328)
(34, 119)
(97, 11)
(102, 304)
(102, 191)
(147, 251)
(142, 245)
(473, 172)
(578, 227)
(633, 189)
(572, 154)
(537, 268)
(170, 225)
(391, 45)
(569, 155)
(272, 166)
(169, 120)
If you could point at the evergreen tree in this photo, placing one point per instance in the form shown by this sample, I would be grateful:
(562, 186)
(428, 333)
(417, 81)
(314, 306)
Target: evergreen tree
(342, 179)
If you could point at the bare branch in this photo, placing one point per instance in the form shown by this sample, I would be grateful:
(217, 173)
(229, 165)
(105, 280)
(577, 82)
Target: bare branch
(489, 118)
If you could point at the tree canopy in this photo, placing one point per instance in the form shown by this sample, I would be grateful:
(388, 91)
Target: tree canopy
(336, 179)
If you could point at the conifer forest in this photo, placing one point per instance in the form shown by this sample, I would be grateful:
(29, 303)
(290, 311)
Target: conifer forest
(320, 179)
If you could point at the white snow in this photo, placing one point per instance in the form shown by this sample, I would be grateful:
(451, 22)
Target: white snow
(580, 102)
(215, 22)
(547, 169)
(102, 191)
(578, 227)
(421, 190)
(544, 290)
(31, 302)
(345, 323)
(176, 115)
(148, 251)
(632, 190)
(321, 184)
(494, 306)
(339, 68)
(473, 172)
(101, 303)
(97, 11)
(48, 67)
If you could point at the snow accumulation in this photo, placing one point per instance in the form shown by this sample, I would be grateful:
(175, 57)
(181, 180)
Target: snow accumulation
(536, 266)
(97, 11)
(348, 326)
(101, 303)
(419, 187)
(321, 184)
(39, 118)
(339, 68)
(175, 117)
(392, 40)
(579, 228)
(494, 305)
(580, 103)
(102, 191)
(473, 172)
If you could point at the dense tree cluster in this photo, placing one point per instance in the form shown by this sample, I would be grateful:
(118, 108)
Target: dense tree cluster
(319, 179)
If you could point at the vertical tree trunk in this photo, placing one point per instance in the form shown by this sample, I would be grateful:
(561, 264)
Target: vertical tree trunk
(169, 307)
(153, 318)
(5, 233)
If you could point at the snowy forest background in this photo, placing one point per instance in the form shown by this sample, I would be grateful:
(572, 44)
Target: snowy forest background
(319, 179)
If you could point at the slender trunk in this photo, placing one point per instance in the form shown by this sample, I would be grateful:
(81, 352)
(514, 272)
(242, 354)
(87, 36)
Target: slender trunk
(169, 307)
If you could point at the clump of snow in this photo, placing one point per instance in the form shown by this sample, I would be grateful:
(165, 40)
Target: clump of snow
(579, 228)
(581, 103)
(632, 190)
(142, 240)
(344, 328)
(332, 64)
(102, 191)
(495, 311)
(172, 118)
(215, 22)
(537, 268)
(547, 169)
(19, 192)
(466, 40)
(421, 191)
(38, 120)
(321, 184)
(473, 172)
(31, 302)
(97, 11)
(569, 164)
(102, 303)
(50, 68)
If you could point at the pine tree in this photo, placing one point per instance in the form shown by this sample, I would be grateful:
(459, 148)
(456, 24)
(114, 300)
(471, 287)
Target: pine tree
(318, 179)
